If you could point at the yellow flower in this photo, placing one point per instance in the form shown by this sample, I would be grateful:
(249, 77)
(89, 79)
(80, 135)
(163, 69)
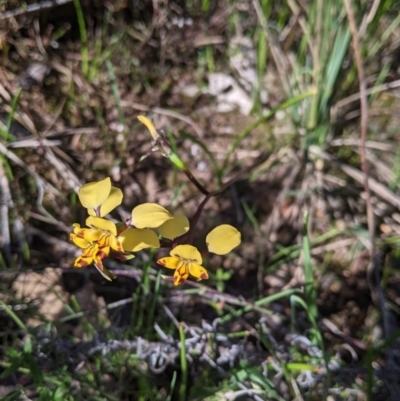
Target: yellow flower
(101, 238)
(185, 259)
(96, 243)
(100, 198)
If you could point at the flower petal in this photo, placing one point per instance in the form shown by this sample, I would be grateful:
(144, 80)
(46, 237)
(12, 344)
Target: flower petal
(149, 215)
(187, 252)
(79, 242)
(150, 126)
(89, 234)
(115, 244)
(198, 271)
(101, 224)
(181, 274)
(135, 239)
(82, 262)
(102, 253)
(175, 227)
(104, 241)
(222, 239)
(113, 200)
(170, 262)
(93, 194)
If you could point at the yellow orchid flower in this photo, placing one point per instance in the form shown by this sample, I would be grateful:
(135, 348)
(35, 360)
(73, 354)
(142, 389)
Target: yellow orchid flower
(92, 253)
(102, 237)
(96, 243)
(185, 259)
(100, 198)
(107, 230)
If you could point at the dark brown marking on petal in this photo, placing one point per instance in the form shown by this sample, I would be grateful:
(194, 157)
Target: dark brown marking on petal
(80, 263)
(101, 254)
(161, 262)
(204, 276)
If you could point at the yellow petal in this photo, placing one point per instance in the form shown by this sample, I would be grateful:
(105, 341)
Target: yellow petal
(83, 261)
(223, 239)
(181, 275)
(116, 244)
(79, 242)
(104, 240)
(90, 251)
(102, 253)
(134, 239)
(175, 227)
(89, 234)
(198, 271)
(113, 200)
(150, 126)
(187, 252)
(150, 215)
(101, 224)
(170, 262)
(93, 194)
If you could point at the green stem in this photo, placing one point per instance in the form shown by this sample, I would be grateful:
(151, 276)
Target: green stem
(83, 35)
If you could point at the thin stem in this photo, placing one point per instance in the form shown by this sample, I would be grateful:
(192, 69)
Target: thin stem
(195, 182)
(194, 220)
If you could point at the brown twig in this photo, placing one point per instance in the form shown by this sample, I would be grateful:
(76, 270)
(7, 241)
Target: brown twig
(373, 270)
(32, 8)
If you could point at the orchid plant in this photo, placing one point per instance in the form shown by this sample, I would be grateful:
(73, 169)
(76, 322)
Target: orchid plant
(149, 226)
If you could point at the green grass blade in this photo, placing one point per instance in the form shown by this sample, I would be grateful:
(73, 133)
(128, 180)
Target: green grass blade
(13, 316)
(117, 97)
(83, 36)
(183, 361)
(310, 291)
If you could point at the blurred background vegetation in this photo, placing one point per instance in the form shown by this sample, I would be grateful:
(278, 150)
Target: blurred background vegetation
(259, 94)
